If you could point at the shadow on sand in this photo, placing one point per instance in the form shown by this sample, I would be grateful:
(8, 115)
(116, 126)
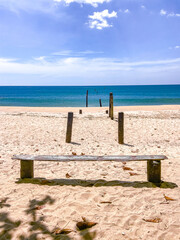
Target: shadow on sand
(96, 183)
(36, 226)
(75, 143)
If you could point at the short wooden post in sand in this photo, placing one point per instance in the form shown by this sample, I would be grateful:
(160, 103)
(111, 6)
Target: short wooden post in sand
(100, 103)
(80, 111)
(106, 111)
(111, 113)
(87, 98)
(121, 128)
(69, 127)
(154, 171)
(27, 169)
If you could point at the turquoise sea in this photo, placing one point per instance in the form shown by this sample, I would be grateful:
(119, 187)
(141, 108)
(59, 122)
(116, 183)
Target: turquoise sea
(75, 96)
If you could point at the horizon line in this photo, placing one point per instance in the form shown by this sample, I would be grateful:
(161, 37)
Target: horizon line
(89, 85)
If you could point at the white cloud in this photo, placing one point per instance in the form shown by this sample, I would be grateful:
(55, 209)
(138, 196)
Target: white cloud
(143, 7)
(5, 60)
(94, 3)
(46, 6)
(171, 14)
(72, 53)
(126, 11)
(71, 70)
(80, 64)
(175, 47)
(98, 19)
(41, 58)
(63, 53)
(163, 12)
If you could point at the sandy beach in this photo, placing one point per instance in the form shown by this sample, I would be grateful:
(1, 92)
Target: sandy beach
(121, 202)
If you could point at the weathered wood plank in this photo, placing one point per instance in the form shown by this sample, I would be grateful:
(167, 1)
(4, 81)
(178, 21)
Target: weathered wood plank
(120, 127)
(100, 103)
(87, 98)
(69, 127)
(68, 158)
(110, 104)
(112, 108)
(111, 113)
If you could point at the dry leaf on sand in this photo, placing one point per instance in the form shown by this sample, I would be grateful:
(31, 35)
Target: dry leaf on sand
(153, 220)
(85, 224)
(133, 174)
(127, 168)
(68, 175)
(38, 207)
(168, 198)
(106, 202)
(57, 231)
(73, 153)
(135, 151)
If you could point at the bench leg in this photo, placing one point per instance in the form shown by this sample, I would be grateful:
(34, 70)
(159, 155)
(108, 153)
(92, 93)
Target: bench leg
(154, 171)
(27, 169)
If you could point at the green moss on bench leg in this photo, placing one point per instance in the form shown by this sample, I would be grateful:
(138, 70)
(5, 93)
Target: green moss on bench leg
(154, 171)
(27, 169)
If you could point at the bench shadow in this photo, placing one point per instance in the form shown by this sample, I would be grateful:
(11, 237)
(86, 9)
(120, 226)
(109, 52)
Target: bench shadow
(96, 183)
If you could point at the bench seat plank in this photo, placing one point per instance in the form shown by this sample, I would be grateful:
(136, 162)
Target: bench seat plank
(69, 158)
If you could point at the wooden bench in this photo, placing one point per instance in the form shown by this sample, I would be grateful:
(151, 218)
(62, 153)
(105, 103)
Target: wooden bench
(153, 163)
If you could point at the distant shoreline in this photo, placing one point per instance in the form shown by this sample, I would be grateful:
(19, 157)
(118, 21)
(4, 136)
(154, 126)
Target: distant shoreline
(88, 109)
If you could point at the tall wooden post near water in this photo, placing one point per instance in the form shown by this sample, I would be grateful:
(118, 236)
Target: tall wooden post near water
(69, 127)
(87, 98)
(111, 112)
(100, 103)
(121, 128)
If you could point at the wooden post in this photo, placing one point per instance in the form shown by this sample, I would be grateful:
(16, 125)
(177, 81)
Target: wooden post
(110, 104)
(87, 98)
(111, 113)
(69, 127)
(100, 103)
(106, 111)
(80, 111)
(27, 169)
(154, 171)
(121, 128)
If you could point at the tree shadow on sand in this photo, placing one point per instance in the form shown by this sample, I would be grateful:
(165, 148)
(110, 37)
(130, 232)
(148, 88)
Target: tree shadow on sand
(96, 183)
(3, 203)
(37, 229)
(7, 225)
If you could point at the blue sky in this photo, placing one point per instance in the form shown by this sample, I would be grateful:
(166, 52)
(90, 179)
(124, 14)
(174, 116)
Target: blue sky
(89, 42)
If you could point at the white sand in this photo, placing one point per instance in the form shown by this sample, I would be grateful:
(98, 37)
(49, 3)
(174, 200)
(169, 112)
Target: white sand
(150, 130)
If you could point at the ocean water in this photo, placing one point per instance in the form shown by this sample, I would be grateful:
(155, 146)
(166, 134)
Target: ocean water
(75, 96)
